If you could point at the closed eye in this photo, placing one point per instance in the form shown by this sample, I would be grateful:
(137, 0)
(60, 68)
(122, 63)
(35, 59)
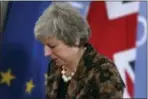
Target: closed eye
(50, 46)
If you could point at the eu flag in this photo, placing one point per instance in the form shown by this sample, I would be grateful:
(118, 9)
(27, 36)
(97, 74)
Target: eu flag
(22, 63)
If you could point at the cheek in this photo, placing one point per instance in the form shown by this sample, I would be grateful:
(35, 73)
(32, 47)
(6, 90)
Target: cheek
(62, 53)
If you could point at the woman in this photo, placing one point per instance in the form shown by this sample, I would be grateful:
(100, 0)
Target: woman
(76, 71)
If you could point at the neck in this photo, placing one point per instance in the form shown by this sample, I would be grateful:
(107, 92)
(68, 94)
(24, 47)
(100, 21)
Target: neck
(72, 66)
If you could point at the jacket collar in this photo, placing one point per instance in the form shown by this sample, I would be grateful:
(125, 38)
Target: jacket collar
(85, 61)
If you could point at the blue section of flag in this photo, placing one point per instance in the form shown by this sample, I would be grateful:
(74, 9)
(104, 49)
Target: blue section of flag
(22, 53)
(140, 81)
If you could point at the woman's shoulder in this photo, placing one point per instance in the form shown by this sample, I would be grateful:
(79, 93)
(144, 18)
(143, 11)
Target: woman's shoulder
(103, 64)
(95, 59)
(106, 70)
(102, 67)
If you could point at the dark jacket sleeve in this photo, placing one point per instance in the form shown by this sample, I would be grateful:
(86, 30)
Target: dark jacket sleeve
(110, 84)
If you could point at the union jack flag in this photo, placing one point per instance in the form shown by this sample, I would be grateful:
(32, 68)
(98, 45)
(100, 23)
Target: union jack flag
(113, 26)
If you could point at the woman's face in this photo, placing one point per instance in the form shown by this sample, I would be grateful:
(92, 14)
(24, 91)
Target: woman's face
(59, 51)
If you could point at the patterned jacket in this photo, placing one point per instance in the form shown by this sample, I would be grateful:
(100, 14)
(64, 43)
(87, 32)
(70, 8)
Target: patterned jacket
(96, 78)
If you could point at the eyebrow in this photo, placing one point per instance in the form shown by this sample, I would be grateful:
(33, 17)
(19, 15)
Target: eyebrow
(50, 45)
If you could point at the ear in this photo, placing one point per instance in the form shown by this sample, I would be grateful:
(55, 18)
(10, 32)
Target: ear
(77, 42)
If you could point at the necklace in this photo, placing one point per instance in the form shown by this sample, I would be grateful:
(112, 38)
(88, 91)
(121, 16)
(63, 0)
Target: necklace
(66, 78)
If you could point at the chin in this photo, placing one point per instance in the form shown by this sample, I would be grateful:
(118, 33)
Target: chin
(59, 63)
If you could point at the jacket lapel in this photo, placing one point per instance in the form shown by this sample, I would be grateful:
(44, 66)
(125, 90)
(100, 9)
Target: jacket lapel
(79, 79)
(53, 82)
(76, 83)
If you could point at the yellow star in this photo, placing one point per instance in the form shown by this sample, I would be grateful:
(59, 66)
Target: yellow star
(45, 75)
(7, 77)
(29, 86)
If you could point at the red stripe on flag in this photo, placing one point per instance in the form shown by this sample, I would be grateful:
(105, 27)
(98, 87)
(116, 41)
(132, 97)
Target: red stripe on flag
(130, 85)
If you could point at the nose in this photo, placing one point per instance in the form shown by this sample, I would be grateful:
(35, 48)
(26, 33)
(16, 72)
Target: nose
(47, 51)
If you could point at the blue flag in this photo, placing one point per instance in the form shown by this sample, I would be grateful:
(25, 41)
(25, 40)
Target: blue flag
(22, 63)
